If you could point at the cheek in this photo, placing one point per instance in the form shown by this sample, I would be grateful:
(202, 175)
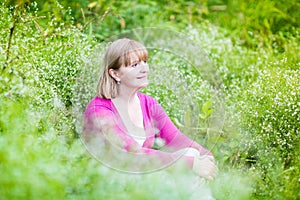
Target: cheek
(123, 74)
(130, 73)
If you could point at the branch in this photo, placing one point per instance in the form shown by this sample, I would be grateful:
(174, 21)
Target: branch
(7, 51)
(93, 19)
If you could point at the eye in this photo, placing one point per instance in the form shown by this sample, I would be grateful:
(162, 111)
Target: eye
(134, 65)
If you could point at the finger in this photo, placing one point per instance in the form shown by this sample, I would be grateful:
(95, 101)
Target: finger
(211, 158)
(214, 174)
(213, 171)
(210, 178)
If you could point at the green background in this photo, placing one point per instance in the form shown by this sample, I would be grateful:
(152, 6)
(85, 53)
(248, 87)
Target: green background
(254, 46)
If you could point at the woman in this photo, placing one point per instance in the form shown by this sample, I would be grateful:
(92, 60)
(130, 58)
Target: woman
(122, 117)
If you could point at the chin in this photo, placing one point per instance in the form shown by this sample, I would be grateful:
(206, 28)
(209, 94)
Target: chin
(143, 85)
(146, 84)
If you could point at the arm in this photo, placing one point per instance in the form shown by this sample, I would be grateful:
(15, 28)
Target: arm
(173, 138)
(106, 140)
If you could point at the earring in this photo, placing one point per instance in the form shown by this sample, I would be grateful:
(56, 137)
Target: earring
(118, 82)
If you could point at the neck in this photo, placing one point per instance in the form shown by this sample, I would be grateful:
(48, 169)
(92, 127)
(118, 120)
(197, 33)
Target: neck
(126, 95)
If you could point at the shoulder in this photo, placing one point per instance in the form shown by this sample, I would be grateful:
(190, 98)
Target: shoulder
(144, 98)
(98, 104)
(100, 101)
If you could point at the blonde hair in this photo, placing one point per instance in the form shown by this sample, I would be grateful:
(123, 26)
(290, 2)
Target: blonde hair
(118, 54)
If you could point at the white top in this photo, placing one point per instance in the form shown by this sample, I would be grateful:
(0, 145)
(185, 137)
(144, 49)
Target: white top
(140, 140)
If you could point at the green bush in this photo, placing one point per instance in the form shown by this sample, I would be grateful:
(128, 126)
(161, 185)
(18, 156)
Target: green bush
(42, 58)
(46, 71)
(261, 128)
(272, 107)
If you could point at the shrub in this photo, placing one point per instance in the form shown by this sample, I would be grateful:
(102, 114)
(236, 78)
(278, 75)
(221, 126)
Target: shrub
(272, 115)
(43, 59)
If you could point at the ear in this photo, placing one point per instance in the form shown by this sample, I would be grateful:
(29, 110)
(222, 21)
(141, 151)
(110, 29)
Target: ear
(113, 73)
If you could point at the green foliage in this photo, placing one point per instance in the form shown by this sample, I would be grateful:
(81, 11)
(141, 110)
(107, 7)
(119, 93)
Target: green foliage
(257, 23)
(45, 58)
(261, 128)
(272, 108)
(249, 119)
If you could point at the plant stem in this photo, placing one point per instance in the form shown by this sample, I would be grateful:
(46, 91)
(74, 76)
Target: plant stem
(10, 40)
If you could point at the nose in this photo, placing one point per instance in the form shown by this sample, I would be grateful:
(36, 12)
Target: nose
(144, 67)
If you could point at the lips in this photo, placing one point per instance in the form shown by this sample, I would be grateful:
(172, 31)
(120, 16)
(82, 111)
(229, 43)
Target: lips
(140, 77)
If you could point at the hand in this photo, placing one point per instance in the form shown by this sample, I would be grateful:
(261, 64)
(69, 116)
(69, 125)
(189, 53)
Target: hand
(205, 166)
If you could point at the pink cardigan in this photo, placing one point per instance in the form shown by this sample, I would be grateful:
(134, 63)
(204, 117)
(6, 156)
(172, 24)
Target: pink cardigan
(101, 117)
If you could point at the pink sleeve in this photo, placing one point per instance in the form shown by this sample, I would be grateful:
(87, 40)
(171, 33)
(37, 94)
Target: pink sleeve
(174, 139)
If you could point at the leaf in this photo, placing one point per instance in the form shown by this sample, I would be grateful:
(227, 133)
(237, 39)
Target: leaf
(176, 122)
(92, 5)
(206, 109)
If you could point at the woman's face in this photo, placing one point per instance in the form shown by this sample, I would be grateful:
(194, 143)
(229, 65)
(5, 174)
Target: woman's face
(134, 75)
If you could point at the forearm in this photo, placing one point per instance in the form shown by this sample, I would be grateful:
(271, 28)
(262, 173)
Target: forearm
(176, 141)
(168, 158)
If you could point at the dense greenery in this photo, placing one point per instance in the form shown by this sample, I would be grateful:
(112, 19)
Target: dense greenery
(253, 129)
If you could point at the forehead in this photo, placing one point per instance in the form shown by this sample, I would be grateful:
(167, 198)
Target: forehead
(133, 55)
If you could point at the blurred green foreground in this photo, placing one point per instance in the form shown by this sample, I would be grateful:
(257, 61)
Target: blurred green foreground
(253, 45)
